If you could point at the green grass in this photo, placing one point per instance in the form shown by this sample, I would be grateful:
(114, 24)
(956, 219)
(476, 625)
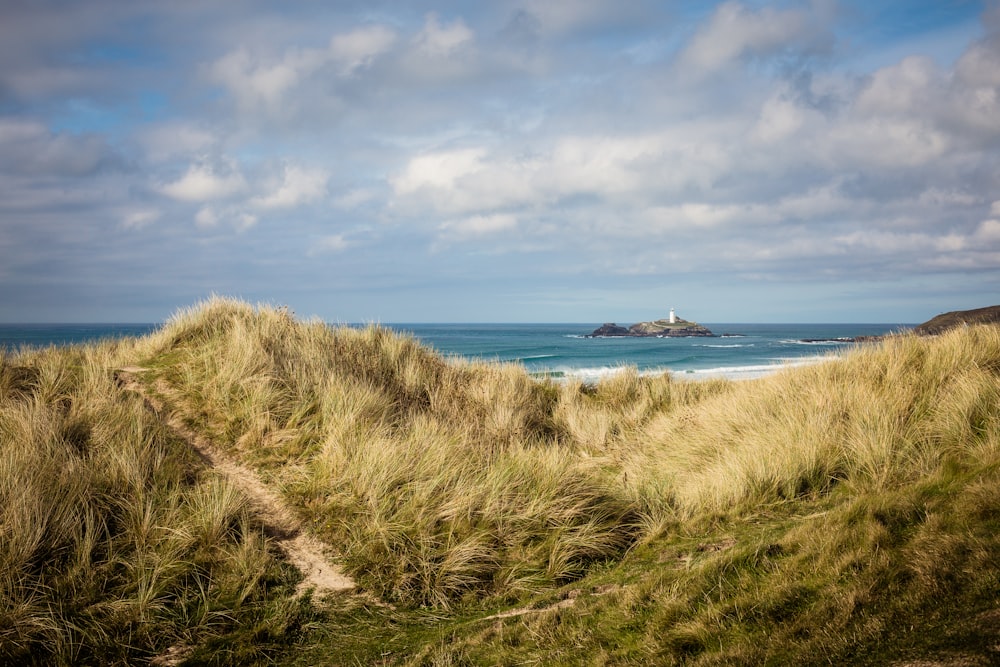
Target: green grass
(845, 512)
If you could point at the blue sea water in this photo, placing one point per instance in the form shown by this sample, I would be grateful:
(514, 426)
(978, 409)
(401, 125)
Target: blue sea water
(13, 336)
(563, 350)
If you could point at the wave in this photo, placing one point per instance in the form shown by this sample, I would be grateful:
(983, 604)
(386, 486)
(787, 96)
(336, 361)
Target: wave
(819, 343)
(727, 346)
(595, 374)
(753, 371)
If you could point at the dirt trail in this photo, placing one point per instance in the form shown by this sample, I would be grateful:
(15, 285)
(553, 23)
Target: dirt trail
(305, 552)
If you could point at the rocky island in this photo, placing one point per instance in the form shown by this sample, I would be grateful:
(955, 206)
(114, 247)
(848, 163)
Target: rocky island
(671, 327)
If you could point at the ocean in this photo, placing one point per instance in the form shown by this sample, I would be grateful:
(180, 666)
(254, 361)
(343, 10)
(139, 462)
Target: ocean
(740, 351)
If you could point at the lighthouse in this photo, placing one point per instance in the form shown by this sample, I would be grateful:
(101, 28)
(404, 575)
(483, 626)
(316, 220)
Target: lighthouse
(673, 318)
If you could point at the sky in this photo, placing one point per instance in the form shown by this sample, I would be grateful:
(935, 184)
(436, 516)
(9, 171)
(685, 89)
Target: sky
(509, 161)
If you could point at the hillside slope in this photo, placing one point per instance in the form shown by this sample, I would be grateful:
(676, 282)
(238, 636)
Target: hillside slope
(956, 318)
(846, 512)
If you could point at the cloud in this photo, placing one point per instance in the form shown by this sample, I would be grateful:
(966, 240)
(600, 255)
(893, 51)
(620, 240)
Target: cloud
(441, 40)
(299, 185)
(735, 32)
(612, 167)
(333, 243)
(355, 198)
(965, 101)
(254, 82)
(561, 142)
(140, 219)
(166, 141)
(779, 118)
(27, 146)
(438, 54)
(884, 142)
(358, 48)
(438, 170)
(210, 217)
(203, 182)
(477, 226)
(980, 64)
(567, 17)
(988, 233)
(262, 83)
(901, 88)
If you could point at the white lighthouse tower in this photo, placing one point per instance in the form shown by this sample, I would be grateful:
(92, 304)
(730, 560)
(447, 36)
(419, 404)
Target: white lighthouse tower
(673, 318)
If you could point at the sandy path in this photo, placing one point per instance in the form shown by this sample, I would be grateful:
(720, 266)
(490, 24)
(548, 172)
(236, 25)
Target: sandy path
(304, 551)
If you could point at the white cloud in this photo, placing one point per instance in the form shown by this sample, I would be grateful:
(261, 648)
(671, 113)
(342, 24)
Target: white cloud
(691, 216)
(255, 83)
(950, 197)
(139, 219)
(203, 183)
(274, 85)
(613, 167)
(355, 198)
(478, 226)
(884, 142)
(333, 243)
(206, 217)
(299, 185)
(176, 139)
(779, 119)
(441, 40)
(966, 100)
(358, 48)
(977, 109)
(210, 217)
(907, 88)
(735, 32)
(980, 64)
(244, 221)
(988, 232)
(560, 17)
(892, 243)
(440, 54)
(438, 170)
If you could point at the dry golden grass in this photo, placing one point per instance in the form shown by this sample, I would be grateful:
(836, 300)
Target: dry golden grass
(435, 480)
(811, 507)
(106, 529)
(881, 417)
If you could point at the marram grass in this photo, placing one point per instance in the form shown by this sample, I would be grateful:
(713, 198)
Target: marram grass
(845, 512)
(114, 544)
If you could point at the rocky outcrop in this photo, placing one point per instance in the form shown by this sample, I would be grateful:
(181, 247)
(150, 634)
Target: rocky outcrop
(957, 318)
(659, 328)
(609, 329)
(654, 329)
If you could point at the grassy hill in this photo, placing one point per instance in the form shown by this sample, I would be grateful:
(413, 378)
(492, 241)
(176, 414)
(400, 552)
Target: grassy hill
(846, 512)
